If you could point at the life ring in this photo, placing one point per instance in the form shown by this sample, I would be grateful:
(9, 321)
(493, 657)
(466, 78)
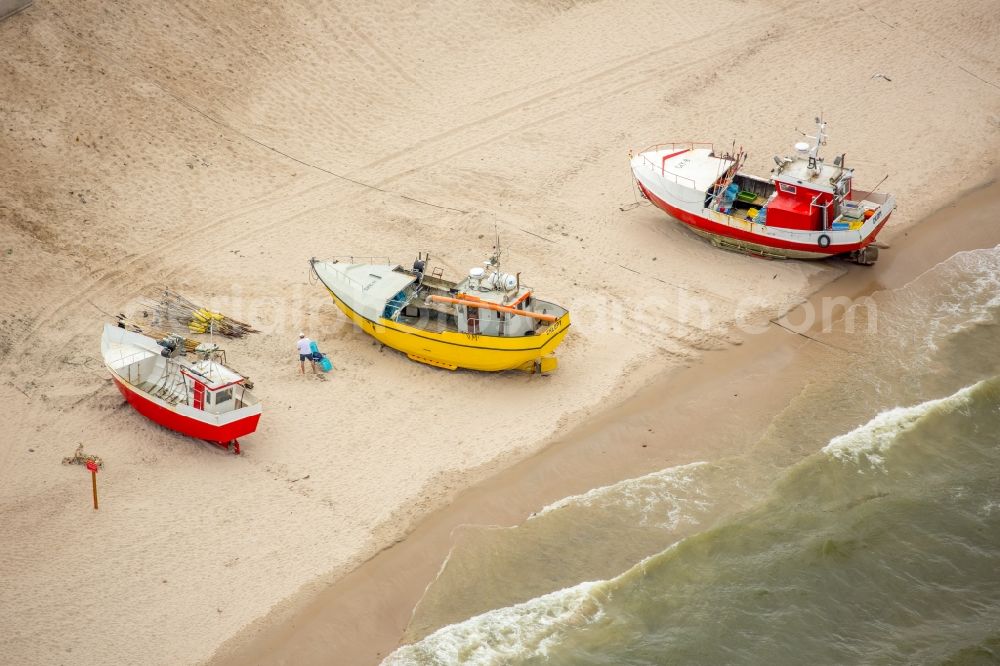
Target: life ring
(824, 241)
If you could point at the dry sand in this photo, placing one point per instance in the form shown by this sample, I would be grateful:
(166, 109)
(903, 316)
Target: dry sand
(214, 149)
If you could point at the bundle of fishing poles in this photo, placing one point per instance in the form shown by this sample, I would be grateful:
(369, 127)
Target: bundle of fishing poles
(143, 326)
(176, 314)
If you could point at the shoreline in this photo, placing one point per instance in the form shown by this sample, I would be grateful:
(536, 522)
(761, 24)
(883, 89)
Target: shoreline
(360, 616)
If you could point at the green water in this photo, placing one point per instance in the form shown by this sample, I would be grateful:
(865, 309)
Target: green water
(864, 527)
(883, 548)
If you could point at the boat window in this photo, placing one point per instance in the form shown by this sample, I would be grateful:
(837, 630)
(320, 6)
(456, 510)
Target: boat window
(223, 396)
(785, 187)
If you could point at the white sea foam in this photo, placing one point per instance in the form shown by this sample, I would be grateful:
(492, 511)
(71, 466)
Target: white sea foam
(990, 507)
(975, 289)
(499, 636)
(955, 295)
(664, 499)
(874, 438)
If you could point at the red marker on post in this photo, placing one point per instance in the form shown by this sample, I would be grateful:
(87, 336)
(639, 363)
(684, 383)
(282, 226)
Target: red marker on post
(92, 466)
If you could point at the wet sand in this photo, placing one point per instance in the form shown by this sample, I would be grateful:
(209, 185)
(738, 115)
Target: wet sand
(710, 408)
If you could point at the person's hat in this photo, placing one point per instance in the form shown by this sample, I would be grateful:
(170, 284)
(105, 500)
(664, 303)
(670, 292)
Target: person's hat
(302, 335)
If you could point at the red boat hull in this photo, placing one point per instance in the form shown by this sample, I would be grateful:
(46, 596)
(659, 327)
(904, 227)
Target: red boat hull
(778, 245)
(168, 418)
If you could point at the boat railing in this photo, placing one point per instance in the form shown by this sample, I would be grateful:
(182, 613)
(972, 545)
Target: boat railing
(343, 276)
(676, 177)
(674, 146)
(351, 259)
(127, 362)
(874, 197)
(677, 145)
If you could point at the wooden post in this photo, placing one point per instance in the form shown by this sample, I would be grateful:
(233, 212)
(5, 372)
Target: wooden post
(92, 466)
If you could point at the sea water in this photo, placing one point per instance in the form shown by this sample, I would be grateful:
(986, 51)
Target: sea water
(863, 527)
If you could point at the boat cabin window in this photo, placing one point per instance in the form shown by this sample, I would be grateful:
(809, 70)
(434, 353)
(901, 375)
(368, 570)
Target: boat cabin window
(222, 396)
(785, 187)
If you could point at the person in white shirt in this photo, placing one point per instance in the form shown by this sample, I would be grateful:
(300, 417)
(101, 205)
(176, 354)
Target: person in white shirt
(305, 352)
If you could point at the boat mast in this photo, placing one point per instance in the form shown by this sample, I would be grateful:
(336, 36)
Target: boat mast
(730, 176)
(496, 250)
(820, 140)
(820, 137)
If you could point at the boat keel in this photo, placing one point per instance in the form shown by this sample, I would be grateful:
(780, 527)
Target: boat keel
(866, 256)
(430, 361)
(540, 366)
(225, 445)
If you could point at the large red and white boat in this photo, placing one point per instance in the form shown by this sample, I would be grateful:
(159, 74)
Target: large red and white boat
(200, 396)
(807, 209)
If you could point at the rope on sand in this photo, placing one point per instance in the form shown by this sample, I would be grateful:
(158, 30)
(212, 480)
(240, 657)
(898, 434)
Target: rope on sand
(81, 458)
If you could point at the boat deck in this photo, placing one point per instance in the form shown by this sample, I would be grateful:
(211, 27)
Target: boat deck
(696, 168)
(430, 324)
(169, 394)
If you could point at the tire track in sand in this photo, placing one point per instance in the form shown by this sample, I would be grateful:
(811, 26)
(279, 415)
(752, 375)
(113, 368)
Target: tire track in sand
(100, 285)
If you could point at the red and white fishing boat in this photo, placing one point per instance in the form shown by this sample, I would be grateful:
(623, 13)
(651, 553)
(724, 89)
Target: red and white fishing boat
(807, 209)
(201, 397)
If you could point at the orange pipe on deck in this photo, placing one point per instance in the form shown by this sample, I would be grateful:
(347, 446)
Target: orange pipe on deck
(523, 297)
(493, 306)
(470, 297)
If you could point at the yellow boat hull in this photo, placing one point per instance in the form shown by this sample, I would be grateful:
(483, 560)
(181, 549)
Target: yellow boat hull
(453, 350)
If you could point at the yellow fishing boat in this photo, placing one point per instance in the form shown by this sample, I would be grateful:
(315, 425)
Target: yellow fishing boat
(488, 321)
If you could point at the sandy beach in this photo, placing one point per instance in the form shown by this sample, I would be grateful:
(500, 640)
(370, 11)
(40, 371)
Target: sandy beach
(215, 149)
